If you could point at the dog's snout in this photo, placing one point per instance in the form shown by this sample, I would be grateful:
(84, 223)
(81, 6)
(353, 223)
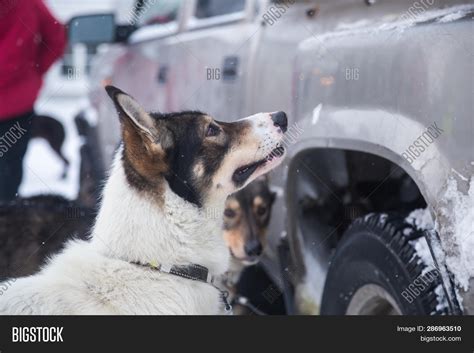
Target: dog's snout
(280, 120)
(253, 248)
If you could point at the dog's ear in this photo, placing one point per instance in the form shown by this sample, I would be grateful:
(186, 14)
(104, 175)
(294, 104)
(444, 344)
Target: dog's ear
(137, 123)
(130, 111)
(145, 139)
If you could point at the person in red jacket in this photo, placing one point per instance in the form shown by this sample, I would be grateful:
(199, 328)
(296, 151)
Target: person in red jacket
(31, 40)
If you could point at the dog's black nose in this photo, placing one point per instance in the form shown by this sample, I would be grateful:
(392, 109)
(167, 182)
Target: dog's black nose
(280, 120)
(253, 248)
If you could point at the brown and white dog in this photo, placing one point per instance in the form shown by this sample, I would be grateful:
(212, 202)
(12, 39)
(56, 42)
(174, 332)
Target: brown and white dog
(152, 228)
(246, 218)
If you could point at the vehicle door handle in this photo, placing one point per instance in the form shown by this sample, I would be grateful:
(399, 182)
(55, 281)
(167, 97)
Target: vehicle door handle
(230, 68)
(162, 76)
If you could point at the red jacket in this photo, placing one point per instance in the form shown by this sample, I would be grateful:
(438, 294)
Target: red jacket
(31, 39)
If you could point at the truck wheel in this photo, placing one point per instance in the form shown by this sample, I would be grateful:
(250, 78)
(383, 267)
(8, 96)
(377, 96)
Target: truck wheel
(376, 271)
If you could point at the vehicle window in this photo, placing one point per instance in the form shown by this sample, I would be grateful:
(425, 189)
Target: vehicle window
(212, 8)
(151, 12)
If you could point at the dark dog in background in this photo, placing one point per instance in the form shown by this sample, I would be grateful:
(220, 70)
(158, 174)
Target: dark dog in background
(32, 229)
(246, 219)
(53, 132)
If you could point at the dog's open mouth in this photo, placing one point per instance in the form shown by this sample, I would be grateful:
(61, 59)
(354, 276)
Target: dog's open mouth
(243, 173)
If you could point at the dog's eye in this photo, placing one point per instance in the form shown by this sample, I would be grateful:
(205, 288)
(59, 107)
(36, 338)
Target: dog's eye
(229, 213)
(261, 211)
(212, 130)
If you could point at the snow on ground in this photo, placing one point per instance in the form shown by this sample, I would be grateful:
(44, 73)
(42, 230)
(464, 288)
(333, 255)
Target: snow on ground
(42, 168)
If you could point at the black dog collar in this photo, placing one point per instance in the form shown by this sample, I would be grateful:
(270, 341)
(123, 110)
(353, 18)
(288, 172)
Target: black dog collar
(193, 272)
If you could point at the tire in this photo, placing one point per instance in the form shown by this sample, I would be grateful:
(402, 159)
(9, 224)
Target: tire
(376, 271)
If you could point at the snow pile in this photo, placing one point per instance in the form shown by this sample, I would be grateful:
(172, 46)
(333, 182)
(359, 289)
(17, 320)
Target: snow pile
(458, 234)
(442, 300)
(456, 231)
(423, 251)
(421, 219)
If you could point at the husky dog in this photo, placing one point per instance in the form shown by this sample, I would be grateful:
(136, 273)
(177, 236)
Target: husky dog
(246, 218)
(154, 249)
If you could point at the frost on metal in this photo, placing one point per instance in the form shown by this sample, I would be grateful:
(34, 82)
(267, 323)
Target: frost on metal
(452, 16)
(398, 24)
(316, 114)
